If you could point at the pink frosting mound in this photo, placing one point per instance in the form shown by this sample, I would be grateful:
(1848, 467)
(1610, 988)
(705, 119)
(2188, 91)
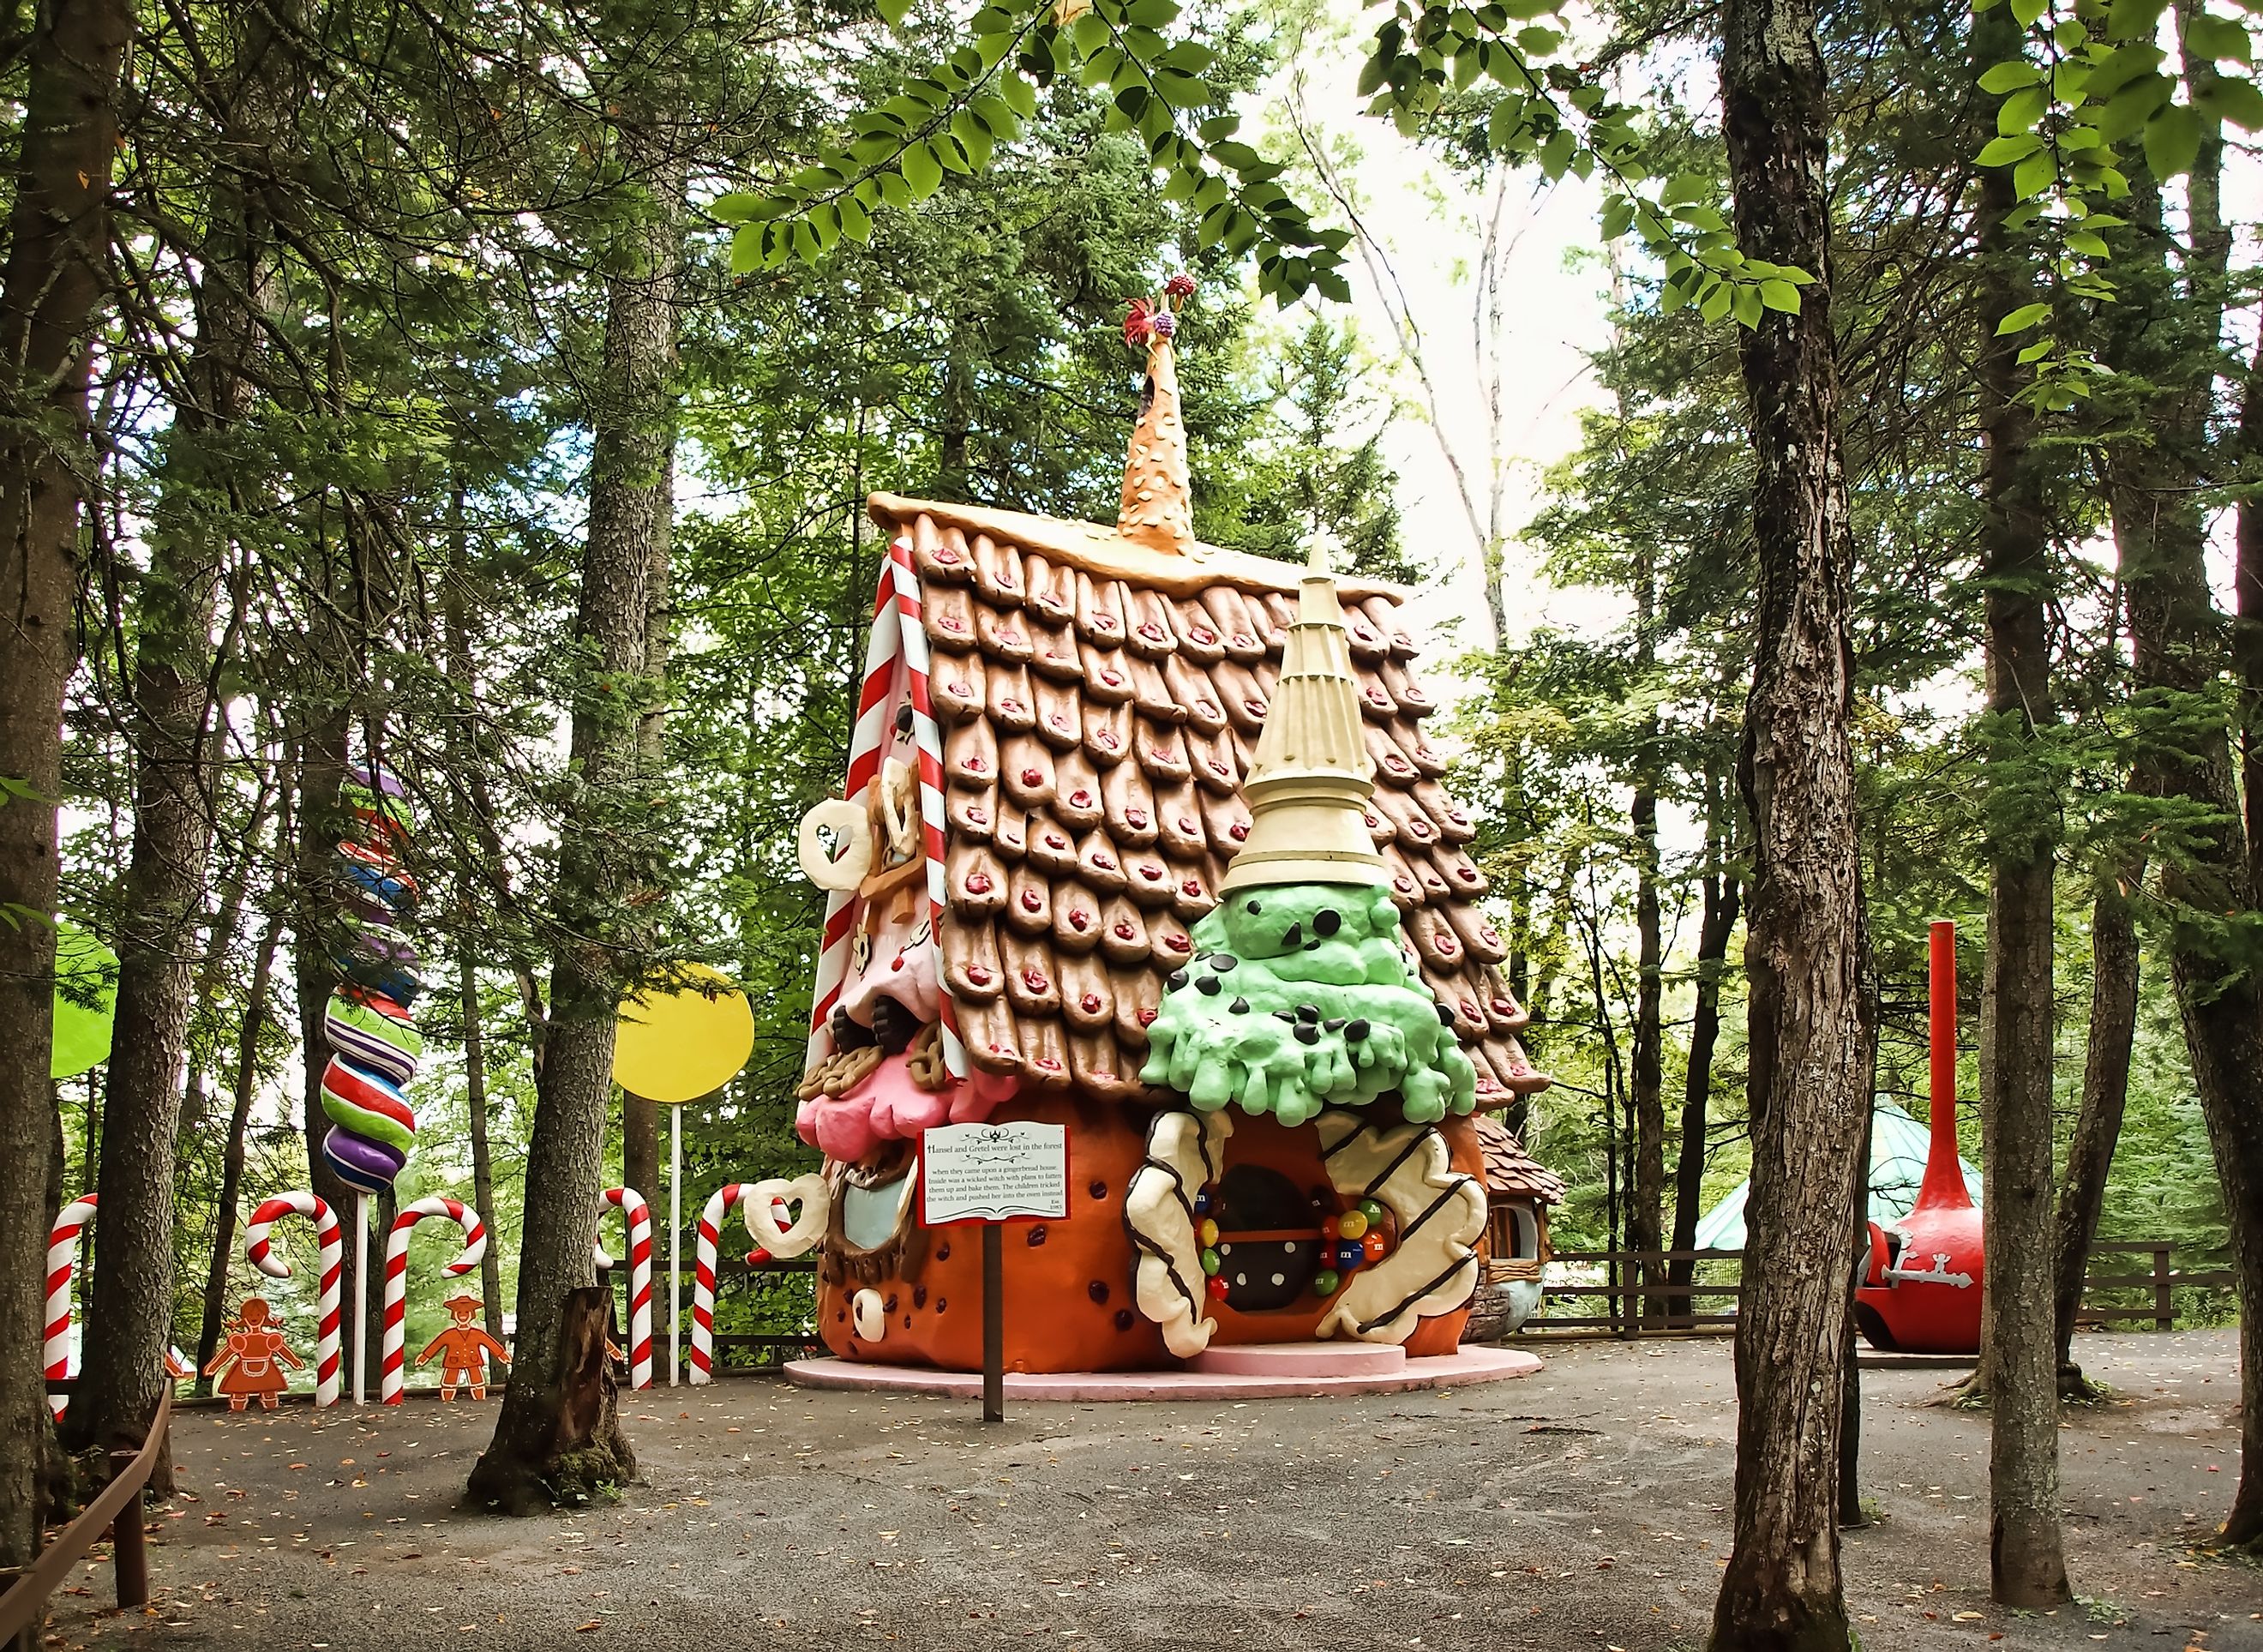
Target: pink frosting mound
(888, 1106)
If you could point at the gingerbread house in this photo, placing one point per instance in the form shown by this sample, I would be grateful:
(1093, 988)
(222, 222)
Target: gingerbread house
(1518, 1194)
(1072, 740)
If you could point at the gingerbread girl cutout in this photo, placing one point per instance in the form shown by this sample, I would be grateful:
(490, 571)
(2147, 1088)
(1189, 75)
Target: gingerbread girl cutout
(258, 1354)
(463, 1349)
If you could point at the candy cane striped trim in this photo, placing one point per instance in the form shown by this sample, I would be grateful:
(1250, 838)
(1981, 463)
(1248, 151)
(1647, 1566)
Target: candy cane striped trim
(703, 1284)
(62, 1262)
(638, 1217)
(899, 632)
(330, 1261)
(391, 1378)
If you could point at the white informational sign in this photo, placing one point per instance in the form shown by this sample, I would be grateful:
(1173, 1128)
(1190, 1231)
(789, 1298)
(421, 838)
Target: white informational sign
(993, 1172)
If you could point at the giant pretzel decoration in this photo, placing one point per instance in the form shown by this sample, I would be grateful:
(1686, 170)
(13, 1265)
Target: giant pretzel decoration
(849, 824)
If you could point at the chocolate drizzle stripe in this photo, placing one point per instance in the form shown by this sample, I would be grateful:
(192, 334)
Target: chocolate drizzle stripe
(1404, 1154)
(1329, 1150)
(1436, 1204)
(1408, 1300)
(1154, 1247)
(1202, 1146)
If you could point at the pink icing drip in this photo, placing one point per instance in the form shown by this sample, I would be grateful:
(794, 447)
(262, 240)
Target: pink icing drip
(887, 1106)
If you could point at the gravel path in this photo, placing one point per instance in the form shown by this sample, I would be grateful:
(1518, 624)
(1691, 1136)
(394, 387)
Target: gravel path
(1585, 1507)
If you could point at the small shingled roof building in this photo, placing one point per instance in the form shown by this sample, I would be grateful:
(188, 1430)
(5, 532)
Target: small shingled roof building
(1048, 783)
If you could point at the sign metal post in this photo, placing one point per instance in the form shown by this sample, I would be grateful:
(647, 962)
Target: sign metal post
(994, 1173)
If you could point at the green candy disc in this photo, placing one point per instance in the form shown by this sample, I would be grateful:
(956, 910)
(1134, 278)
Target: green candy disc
(86, 1001)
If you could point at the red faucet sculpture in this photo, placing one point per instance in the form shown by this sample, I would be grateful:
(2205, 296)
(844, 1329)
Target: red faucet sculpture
(1920, 1290)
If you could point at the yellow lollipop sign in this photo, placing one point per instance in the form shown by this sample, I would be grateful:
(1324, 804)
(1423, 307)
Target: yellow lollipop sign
(675, 1046)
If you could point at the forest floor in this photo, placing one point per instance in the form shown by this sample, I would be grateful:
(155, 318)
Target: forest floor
(1583, 1507)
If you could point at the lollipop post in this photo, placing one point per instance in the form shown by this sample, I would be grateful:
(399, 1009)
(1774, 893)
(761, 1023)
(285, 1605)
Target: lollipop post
(361, 1293)
(674, 1228)
(673, 1045)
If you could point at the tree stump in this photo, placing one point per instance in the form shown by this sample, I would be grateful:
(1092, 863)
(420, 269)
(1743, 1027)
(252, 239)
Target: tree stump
(558, 1441)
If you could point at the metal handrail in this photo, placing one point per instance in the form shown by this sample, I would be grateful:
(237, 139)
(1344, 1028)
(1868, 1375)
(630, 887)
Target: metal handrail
(117, 1511)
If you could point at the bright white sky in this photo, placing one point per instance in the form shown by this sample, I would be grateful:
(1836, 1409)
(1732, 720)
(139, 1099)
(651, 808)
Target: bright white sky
(1427, 217)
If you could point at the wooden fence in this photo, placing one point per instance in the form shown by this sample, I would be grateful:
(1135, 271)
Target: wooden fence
(732, 1274)
(1618, 1305)
(117, 1512)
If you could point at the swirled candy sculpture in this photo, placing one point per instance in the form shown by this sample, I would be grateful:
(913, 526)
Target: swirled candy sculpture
(374, 1044)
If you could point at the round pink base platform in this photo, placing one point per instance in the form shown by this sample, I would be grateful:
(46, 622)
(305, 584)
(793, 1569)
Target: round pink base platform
(1247, 1373)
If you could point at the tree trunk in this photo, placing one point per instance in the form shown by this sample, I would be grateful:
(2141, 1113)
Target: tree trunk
(2026, 1556)
(464, 760)
(2247, 627)
(475, 1102)
(50, 288)
(231, 1174)
(219, 952)
(1645, 1096)
(1811, 1022)
(130, 1313)
(549, 1445)
(1716, 921)
(2114, 970)
(2177, 649)
(316, 924)
(639, 1118)
(1647, 1107)
(1852, 1516)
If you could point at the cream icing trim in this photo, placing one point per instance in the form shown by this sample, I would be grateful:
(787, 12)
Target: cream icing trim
(1441, 1213)
(1185, 1151)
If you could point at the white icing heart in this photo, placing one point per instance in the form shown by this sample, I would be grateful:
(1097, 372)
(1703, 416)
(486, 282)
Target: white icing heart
(765, 1202)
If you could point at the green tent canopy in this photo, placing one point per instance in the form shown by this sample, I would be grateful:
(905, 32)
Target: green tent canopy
(1897, 1148)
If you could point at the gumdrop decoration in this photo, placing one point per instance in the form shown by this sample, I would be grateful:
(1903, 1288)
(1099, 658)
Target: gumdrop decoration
(374, 1044)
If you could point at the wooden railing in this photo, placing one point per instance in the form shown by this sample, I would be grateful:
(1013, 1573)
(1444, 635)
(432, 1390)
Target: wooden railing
(766, 1349)
(2162, 1280)
(117, 1511)
(1708, 1306)
(1701, 1308)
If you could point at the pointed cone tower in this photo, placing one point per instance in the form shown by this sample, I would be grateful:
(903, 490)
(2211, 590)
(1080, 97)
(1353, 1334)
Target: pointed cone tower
(1311, 778)
(1158, 508)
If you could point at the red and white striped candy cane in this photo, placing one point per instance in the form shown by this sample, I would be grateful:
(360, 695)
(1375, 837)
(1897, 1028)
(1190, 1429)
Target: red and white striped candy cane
(638, 1215)
(62, 1262)
(390, 1377)
(703, 1284)
(330, 1260)
(899, 632)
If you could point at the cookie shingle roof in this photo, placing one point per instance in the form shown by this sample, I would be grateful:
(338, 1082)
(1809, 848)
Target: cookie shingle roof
(1510, 1171)
(1099, 705)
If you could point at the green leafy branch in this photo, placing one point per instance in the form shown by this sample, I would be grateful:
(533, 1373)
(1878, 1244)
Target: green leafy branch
(1548, 113)
(1560, 117)
(952, 119)
(2084, 90)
